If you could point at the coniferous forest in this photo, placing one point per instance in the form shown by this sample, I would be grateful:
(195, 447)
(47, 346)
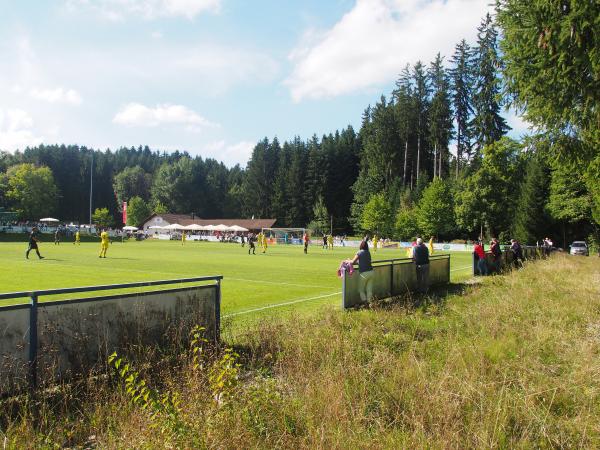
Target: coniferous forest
(431, 157)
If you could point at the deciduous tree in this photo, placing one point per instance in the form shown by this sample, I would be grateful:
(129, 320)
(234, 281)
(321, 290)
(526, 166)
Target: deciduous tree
(377, 216)
(137, 211)
(31, 191)
(102, 218)
(435, 213)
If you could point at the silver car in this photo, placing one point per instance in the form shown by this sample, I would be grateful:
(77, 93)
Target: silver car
(579, 248)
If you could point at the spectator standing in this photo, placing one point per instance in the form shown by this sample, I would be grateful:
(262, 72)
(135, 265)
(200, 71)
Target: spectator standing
(479, 252)
(365, 269)
(517, 253)
(496, 254)
(420, 256)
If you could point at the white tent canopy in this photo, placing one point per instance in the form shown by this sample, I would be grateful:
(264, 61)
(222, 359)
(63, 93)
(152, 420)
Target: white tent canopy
(49, 219)
(174, 226)
(209, 228)
(221, 227)
(130, 228)
(155, 227)
(237, 228)
(194, 227)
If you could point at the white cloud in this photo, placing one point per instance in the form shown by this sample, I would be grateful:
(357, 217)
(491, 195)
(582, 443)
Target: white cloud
(117, 10)
(519, 126)
(16, 130)
(138, 115)
(223, 66)
(57, 95)
(375, 40)
(229, 154)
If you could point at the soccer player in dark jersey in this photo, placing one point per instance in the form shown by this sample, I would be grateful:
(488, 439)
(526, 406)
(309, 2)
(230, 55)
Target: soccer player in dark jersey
(33, 240)
(251, 246)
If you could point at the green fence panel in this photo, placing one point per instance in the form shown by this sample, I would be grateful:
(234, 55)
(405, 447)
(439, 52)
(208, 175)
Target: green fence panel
(394, 277)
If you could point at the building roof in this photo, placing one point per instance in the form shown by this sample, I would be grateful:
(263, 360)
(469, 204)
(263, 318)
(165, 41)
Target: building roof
(186, 219)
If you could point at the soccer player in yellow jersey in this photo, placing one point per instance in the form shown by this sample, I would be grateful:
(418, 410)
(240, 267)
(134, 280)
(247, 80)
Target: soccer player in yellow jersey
(375, 242)
(103, 244)
(264, 243)
(330, 241)
(77, 238)
(183, 238)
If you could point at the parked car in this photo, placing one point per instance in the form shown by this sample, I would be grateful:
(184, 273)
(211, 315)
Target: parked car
(579, 248)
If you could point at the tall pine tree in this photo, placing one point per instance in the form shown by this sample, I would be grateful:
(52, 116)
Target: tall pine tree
(421, 108)
(440, 116)
(531, 222)
(405, 118)
(488, 125)
(462, 88)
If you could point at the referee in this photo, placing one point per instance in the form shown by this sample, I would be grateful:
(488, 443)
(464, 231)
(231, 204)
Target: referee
(33, 240)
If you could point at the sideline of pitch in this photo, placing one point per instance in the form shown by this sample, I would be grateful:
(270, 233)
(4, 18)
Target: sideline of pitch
(301, 300)
(277, 305)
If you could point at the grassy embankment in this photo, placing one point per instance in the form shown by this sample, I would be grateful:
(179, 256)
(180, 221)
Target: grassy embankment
(511, 362)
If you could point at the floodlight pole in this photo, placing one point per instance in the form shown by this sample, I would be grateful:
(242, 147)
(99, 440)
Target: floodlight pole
(91, 185)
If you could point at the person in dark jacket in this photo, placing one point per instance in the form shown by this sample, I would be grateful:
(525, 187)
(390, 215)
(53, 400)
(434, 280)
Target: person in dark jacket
(517, 253)
(363, 257)
(496, 254)
(420, 256)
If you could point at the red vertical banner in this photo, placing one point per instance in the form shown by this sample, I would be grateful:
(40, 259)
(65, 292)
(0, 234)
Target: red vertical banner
(124, 213)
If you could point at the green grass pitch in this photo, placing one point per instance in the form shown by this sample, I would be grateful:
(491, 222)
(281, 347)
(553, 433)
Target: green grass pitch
(282, 279)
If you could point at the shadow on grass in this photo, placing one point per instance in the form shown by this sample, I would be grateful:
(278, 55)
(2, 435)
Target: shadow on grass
(410, 301)
(112, 257)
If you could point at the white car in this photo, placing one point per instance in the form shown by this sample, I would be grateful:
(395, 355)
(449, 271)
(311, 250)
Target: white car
(579, 248)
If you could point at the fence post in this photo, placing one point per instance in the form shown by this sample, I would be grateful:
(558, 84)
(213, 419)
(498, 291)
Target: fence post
(392, 291)
(344, 290)
(218, 313)
(33, 340)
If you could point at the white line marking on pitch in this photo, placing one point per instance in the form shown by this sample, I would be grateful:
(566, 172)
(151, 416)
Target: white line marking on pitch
(461, 268)
(278, 282)
(280, 304)
(123, 269)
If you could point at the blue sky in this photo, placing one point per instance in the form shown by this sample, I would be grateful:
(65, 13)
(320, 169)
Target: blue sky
(211, 77)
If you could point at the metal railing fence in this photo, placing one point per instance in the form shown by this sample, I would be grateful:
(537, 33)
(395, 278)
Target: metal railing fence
(34, 305)
(507, 258)
(394, 277)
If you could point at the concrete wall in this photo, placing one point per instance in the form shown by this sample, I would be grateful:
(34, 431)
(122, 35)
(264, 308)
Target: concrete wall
(76, 335)
(393, 279)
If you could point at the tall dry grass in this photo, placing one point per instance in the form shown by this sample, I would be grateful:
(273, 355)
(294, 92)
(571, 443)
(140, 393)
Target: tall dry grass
(511, 362)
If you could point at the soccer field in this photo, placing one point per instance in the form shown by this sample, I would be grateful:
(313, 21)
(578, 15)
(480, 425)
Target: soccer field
(282, 279)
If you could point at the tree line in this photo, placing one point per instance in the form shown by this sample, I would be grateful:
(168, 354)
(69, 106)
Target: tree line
(396, 176)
